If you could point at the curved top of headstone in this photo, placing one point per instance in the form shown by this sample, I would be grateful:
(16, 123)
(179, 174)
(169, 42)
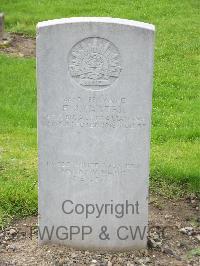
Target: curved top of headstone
(96, 20)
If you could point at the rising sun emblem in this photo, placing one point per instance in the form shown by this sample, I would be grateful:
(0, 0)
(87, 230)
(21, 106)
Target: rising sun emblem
(94, 63)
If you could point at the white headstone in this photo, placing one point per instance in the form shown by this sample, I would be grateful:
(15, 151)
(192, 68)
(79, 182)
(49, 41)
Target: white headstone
(94, 116)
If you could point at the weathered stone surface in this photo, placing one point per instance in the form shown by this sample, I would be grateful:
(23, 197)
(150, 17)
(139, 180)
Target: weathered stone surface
(94, 116)
(1, 26)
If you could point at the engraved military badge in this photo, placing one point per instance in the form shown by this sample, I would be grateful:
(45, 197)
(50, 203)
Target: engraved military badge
(94, 63)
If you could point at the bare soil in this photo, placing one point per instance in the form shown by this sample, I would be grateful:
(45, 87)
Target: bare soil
(178, 245)
(20, 45)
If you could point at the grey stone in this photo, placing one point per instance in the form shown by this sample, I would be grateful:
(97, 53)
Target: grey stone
(94, 78)
(187, 230)
(12, 232)
(168, 251)
(154, 244)
(11, 247)
(1, 26)
(197, 237)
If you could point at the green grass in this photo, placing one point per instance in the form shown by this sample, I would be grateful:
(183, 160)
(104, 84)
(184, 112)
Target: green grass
(175, 149)
(193, 253)
(167, 15)
(18, 151)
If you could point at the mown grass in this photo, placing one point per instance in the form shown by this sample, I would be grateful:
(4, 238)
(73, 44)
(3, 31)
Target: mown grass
(22, 16)
(175, 149)
(18, 151)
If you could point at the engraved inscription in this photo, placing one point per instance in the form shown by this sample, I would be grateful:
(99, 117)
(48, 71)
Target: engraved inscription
(94, 112)
(94, 63)
(93, 121)
(93, 171)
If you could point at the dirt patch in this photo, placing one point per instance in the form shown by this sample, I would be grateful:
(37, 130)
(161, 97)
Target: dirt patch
(177, 245)
(20, 45)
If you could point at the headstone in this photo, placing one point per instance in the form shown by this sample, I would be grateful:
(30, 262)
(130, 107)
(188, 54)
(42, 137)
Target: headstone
(1, 26)
(94, 116)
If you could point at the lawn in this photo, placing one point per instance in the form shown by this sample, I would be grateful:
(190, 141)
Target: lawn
(175, 149)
